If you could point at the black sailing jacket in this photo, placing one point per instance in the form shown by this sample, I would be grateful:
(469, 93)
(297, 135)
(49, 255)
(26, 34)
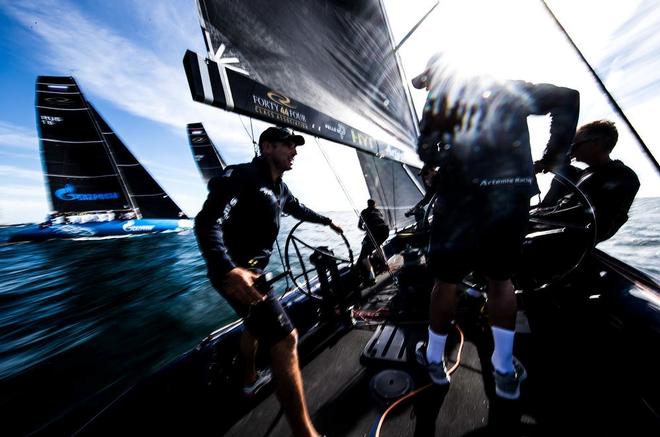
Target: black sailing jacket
(477, 132)
(240, 219)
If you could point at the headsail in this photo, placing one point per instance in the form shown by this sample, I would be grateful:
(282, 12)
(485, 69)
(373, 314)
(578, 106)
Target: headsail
(88, 168)
(147, 196)
(323, 67)
(80, 174)
(208, 159)
(391, 186)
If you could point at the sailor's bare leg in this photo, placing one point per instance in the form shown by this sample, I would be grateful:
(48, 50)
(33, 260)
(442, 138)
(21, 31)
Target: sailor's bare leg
(502, 305)
(289, 388)
(248, 352)
(368, 269)
(443, 307)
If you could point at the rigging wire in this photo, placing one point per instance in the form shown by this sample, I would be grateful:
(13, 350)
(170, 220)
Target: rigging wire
(250, 133)
(355, 210)
(604, 89)
(279, 251)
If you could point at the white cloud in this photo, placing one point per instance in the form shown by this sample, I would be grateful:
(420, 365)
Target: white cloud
(135, 78)
(13, 135)
(20, 173)
(21, 203)
(23, 191)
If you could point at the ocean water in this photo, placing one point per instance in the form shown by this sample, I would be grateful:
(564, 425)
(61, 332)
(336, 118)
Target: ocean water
(82, 319)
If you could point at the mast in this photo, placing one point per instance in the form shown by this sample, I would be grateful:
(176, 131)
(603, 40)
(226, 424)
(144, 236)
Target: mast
(604, 89)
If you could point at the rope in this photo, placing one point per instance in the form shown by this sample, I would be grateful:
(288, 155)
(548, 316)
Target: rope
(381, 420)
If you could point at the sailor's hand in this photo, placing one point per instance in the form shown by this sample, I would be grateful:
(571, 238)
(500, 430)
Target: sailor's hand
(336, 228)
(238, 284)
(409, 212)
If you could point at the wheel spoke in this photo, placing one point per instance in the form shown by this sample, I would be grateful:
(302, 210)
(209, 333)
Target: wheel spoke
(302, 265)
(307, 274)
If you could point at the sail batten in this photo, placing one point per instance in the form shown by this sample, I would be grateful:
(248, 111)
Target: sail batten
(323, 67)
(327, 68)
(79, 173)
(80, 163)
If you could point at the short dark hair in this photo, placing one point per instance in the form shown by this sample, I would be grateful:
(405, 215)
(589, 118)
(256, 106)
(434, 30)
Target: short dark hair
(371, 202)
(603, 132)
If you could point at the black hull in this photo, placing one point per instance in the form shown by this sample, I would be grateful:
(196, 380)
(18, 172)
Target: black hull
(591, 356)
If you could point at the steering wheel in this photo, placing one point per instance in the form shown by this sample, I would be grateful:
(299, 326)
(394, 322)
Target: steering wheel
(293, 241)
(558, 239)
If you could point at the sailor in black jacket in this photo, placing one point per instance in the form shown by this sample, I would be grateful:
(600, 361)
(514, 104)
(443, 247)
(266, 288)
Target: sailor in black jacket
(609, 185)
(236, 229)
(475, 130)
(240, 219)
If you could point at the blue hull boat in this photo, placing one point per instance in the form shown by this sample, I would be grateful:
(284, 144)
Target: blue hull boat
(91, 174)
(101, 229)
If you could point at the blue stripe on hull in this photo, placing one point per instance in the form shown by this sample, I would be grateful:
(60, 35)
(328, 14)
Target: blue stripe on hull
(101, 229)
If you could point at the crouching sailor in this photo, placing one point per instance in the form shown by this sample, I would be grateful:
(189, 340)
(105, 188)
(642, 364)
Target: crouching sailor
(235, 230)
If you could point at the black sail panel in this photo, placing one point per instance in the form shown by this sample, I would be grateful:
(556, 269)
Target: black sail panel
(208, 159)
(149, 198)
(325, 67)
(80, 174)
(391, 186)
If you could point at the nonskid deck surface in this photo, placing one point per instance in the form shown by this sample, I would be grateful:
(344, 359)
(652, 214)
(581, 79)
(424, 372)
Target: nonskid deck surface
(570, 385)
(587, 376)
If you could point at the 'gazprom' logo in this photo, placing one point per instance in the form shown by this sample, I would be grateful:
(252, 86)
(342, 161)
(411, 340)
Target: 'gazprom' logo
(69, 193)
(130, 226)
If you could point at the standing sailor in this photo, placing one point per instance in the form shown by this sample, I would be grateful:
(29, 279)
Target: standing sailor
(236, 229)
(372, 222)
(476, 131)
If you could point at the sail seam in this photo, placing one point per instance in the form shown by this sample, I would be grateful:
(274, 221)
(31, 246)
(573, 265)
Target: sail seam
(148, 195)
(61, 109)
(80, 177)
(58, 92)
(70, 142)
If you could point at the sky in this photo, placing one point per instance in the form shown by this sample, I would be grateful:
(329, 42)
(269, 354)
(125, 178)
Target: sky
(126, 57)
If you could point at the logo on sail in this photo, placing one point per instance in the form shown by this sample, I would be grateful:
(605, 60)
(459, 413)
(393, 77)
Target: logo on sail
(58, 99)
(340, 129)
(50, 120)
(69, 193)
(363, 140)
(280, 108)
(198, 140)
(279, 98)
(130, 226)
